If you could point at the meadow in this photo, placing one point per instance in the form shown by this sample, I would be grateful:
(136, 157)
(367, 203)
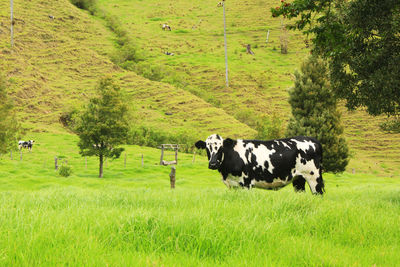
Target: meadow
(132, 218)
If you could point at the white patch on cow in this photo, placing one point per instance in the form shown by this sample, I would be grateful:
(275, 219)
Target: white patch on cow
(262, 153)
(214, 142)
(303, 145)
(276, 183)
(308, 170)
(286, 145)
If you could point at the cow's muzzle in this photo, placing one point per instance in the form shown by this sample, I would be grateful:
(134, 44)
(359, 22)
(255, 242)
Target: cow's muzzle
(213, 165)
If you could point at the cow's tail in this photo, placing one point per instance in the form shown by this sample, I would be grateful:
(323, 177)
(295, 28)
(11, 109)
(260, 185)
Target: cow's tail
(319, 153)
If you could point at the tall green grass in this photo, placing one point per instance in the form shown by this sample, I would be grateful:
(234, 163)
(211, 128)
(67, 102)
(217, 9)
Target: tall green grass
(132, 217)
(190, 227)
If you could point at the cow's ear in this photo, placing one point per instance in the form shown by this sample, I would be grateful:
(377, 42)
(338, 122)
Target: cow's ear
(228, 143)
(200, 144)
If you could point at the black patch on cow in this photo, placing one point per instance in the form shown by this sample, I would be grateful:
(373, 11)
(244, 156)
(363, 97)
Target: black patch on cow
(229, 143)
(320, 187)
(200, 144)
(299, 184)
(312, 173)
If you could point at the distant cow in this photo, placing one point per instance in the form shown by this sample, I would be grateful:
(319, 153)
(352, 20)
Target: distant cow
(26, 144)
(166, 27)
(266, 164)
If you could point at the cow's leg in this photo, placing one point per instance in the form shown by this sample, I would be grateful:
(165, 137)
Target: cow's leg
(299, 183)
(315, 182)
(246, 182)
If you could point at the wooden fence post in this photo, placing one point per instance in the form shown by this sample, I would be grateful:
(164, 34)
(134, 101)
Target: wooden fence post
(172, 177)
(194, 157)
(162, 154)
(142, 161)
(11, 154)
(55, 163)
(125, 161)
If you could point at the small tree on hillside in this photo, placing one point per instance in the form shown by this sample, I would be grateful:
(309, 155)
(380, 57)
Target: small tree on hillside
(8, 123)
(103, 125)
(314, 113)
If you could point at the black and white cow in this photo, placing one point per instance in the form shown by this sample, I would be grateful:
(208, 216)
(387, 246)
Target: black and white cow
(26, 144)
(166, 27)
(269, 164)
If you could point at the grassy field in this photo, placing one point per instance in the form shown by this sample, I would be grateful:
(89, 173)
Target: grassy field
(132, 218)
(56, 63)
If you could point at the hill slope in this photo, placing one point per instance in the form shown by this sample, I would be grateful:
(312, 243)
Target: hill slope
(258, 84)
(56, 63)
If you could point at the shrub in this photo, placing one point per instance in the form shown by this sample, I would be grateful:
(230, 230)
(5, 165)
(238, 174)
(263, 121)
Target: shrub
(65, 171)
(146, 136)
(89, 5)
(391, 126)
(269, 128)
(67, 118)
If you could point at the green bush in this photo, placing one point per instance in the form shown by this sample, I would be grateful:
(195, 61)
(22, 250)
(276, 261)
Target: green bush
(391, 125)
(89, 5)
(145, 136)
(269, 128)
(150, 71)
(65, 171)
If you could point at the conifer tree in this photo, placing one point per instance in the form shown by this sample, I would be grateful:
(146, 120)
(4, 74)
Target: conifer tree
(8, 123)
(103, 126)
(315, 114)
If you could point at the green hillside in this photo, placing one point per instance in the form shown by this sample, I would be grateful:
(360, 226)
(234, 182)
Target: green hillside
(56, 63)
(258, 84)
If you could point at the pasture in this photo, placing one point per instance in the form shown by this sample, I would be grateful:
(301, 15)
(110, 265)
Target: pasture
(132, 217)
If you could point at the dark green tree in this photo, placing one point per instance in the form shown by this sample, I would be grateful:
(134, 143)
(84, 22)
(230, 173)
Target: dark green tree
(315, 114)
(103, 125)
(8, 122)
(360, 39)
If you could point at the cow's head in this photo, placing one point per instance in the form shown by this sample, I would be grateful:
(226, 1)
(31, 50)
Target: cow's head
(214, 148)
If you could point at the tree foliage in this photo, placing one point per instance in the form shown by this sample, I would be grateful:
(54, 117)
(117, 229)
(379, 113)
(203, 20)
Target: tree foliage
(314, 113)
(8, 123)
(103, 126)
(361, 41)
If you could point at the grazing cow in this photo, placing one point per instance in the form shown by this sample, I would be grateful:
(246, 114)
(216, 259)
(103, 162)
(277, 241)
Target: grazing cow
(165, 26)
(266, 164)
(26, 144)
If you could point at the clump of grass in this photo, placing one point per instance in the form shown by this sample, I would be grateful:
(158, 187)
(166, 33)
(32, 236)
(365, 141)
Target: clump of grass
(65, 171)
(157, 19)
(181, 31)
